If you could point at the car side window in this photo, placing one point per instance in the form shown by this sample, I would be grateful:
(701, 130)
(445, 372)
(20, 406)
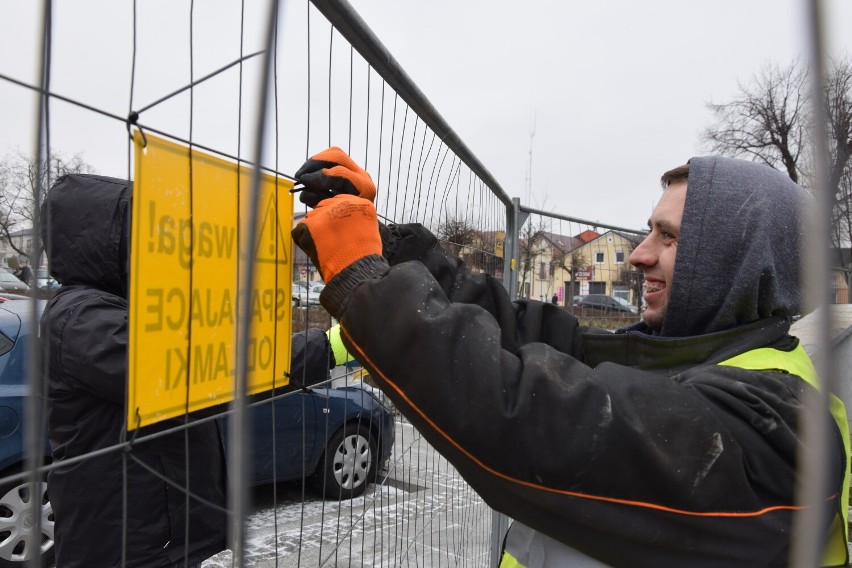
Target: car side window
(6, 344)
(12, 361)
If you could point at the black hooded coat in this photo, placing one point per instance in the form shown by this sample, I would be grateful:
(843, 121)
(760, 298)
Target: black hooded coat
(634, 448)
(85, 327)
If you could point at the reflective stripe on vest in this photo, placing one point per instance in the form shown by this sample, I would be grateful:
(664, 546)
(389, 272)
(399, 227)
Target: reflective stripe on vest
(526, 548)
(797, 362)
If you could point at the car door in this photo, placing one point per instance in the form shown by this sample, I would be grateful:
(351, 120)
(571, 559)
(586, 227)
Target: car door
(293, 418)
(13, 391)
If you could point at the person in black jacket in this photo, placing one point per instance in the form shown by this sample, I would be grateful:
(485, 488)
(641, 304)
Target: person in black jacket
(673, 442)
(110, 509)
(25, 275)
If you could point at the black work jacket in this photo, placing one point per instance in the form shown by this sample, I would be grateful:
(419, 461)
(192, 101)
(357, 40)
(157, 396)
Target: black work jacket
(86, 334)
(634, 449)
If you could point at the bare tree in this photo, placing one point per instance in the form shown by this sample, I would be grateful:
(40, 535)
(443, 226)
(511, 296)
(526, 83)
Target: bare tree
(476, 248)
(455, 235)
(841, 227)
(838, 106)
(569, 261)
(768, 120)
(19, 178)
(482, 255)
(530, 237)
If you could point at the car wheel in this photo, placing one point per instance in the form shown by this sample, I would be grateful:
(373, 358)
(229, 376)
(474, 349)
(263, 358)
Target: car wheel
(349, 463)
(17, 525)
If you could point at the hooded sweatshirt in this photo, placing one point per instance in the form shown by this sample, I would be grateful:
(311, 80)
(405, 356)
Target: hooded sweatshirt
(84, 326)
(738, 258)
(633, 449)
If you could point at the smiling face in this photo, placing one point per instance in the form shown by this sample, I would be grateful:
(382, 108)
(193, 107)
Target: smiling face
(655, 256)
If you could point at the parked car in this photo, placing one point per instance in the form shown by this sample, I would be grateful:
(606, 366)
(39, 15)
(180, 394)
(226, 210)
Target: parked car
(16, 524)
(44, 281)
(348, 438)
(305, 295)
(10, 283)
(633, 309)
(608, 304)
(345, 435)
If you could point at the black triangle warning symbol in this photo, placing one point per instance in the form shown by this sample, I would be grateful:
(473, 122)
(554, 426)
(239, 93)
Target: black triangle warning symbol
(271, 244)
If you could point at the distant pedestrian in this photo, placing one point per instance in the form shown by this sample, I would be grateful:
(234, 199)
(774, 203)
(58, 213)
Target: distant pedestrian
(25, 275)
(554, 300)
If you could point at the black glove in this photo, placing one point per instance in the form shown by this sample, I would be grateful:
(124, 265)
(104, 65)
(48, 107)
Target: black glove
(330, 173)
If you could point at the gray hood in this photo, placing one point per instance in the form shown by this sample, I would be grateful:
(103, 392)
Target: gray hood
(84, 228)
(738, 257)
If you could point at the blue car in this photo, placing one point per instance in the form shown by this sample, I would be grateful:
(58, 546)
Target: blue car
(339, 438)
(346, 436)
(16, 524)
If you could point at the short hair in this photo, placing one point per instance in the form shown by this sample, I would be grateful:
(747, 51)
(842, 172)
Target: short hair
(676, 175)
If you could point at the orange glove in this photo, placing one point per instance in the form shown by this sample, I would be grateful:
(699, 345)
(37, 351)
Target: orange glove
(339, 232)
(332, 172)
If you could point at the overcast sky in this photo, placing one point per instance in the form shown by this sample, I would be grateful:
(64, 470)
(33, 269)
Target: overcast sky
(615, 92)
(583, 103)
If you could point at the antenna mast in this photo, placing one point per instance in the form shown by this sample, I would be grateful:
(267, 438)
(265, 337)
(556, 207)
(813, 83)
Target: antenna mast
(529, 167)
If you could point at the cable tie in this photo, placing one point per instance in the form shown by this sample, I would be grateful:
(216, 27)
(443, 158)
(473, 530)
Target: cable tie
(130, 442)
(133, 120)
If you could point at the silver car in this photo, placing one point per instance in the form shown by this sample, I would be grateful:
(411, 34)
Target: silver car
(9, 283)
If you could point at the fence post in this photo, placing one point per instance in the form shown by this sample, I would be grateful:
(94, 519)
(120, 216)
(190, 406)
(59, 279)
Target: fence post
(499, 521)
(511, 248)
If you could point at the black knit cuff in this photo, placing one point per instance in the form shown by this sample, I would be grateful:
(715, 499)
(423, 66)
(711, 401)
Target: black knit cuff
(336, 293)
(389, 235)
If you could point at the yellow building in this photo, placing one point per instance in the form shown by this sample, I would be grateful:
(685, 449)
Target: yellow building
(545, 262)
(601, 266)
(588, 263)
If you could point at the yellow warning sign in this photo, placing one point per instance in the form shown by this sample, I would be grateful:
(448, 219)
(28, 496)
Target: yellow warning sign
(189, 248)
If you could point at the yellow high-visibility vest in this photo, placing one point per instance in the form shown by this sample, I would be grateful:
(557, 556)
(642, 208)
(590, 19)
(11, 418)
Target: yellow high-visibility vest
(526, 548)
(797, 362)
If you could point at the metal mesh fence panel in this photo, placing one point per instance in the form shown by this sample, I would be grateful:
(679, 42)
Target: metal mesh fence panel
(193, 73)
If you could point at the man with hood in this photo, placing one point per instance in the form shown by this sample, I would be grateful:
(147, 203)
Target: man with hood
(673, 442)
(113, 509)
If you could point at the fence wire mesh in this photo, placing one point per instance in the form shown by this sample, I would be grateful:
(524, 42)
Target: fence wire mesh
(193, 78)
